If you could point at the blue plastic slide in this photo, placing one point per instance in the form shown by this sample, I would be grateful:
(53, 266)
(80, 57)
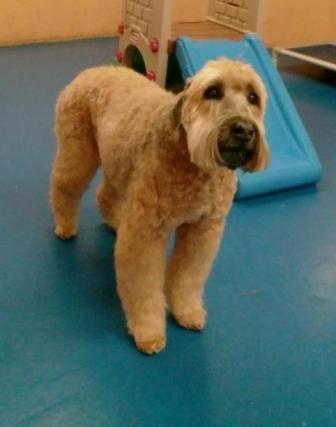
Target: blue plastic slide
(293, 158)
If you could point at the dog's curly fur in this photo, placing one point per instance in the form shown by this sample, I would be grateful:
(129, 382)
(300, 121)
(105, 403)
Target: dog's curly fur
(161, 173)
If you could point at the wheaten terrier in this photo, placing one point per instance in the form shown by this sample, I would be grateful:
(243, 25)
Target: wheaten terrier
(168, 165)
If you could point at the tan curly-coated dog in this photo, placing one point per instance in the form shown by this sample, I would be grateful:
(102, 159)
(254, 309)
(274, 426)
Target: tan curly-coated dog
(168, 165)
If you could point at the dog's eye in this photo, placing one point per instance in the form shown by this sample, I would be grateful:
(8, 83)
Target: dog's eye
(253, 98)
(213, 92)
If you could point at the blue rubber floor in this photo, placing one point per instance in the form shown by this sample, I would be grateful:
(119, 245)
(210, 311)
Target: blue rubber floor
(268, 355)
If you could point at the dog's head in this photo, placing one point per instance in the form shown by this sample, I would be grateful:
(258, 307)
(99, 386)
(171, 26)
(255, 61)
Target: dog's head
(222, 111)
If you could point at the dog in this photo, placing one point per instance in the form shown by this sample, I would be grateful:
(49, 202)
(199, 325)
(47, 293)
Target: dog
(168, 165)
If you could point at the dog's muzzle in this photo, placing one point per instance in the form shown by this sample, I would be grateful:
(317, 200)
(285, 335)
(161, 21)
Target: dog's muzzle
(237, 142)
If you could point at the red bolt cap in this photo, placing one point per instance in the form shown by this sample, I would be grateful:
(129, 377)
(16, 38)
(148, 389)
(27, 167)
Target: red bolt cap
(154, 44)
(151, 75)
(120, 56)
(121, 28)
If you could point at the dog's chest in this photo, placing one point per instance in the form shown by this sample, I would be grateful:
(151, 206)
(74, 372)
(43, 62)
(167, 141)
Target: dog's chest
(187, 196)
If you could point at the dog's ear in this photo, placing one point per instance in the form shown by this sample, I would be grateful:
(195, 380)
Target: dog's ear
(177, 110)
(187, 84)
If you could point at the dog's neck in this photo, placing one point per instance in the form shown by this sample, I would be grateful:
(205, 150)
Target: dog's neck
(179, 154)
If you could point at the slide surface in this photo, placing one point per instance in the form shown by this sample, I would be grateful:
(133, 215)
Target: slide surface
(293, 158)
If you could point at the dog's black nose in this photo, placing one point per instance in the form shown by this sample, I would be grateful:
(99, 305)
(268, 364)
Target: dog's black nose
(242, 130)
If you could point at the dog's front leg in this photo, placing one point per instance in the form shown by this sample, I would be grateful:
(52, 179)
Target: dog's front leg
(195, 249)
(140, 268)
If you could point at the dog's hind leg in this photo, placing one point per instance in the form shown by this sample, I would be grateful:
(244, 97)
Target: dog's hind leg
(76, 162)
(109, 204)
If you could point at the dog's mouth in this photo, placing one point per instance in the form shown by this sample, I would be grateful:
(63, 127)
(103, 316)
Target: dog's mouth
(237, 143)
(233, 156)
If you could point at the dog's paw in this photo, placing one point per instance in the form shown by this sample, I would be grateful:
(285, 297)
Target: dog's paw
(151, 345)
(65, 233)
(194, 320)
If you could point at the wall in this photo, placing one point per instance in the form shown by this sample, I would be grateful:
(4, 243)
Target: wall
(333, 22)
(189, 10)
(290, 23)
(284, 22)
(24, 21)
(39, 20)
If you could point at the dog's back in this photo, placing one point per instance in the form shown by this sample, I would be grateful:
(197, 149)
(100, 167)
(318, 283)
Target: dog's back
(109, 99)
(95, 87)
